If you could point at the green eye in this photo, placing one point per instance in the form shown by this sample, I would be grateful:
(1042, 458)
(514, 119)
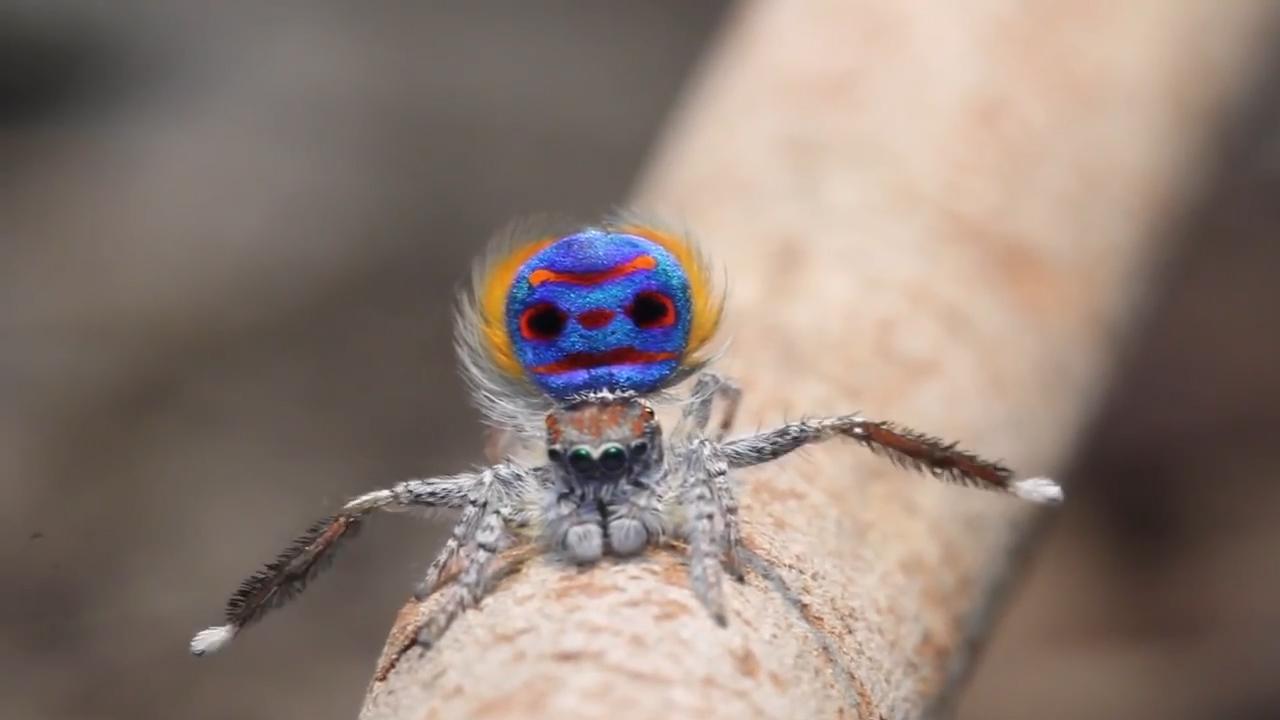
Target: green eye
(613, 458)
(581, 460)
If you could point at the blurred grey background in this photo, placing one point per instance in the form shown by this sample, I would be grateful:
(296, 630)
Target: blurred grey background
(230, 234)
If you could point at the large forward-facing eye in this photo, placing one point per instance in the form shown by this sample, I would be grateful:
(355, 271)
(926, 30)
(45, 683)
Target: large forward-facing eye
(582, 462)
(543, 321)
(613, 458)
(651, 309)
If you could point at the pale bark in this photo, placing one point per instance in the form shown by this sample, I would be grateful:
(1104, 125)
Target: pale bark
(940, 213)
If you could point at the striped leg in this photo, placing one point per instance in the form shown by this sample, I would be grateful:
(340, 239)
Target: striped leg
(705, 540)
(711, 527)
(473, 582)
(499, 487)
(463, 531)
(727, 502)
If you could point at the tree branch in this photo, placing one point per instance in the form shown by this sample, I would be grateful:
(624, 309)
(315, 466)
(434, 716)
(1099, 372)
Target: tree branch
(936, 213)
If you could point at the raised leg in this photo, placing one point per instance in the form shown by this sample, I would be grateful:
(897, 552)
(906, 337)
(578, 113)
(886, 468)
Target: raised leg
(287, 576)
(697, 412)
(905, 448)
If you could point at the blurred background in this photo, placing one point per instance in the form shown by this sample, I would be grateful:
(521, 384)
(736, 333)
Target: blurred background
(229, 239)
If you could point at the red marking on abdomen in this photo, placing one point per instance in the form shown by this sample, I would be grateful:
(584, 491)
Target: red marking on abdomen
(594, 277)
(596, 318)
(588, 360)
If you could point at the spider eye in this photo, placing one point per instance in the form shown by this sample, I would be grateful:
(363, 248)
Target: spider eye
(613, 458)
(651, 309)
(555, 454)
(543, 321)
(582, 461)
(639, 449)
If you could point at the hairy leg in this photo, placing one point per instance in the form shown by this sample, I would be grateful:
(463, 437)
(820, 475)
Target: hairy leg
(904, 447)
(697, 412)
(706, 464)
(727, 503)
(500, 482)
(474, 581)
(287, 576)
(705, 532)
(709, 512)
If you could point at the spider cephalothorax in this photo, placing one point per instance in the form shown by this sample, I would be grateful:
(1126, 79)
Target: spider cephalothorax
(572, 335)
(599, 441)
(605, 455)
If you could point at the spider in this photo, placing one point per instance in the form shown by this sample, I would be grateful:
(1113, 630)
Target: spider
(574, 336)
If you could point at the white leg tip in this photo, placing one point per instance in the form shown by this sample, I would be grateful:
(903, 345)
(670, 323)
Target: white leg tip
(1038, 489)
(211, 640)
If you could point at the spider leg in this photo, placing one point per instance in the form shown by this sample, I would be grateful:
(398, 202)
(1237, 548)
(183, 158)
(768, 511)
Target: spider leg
(697, 412)
(474, 580)
(727, 502)
(902, 446)
(287, 576)
(706, 540)
(711, 526)
(506, 482)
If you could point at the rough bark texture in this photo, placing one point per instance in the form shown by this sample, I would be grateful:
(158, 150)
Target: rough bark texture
(941, 214)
